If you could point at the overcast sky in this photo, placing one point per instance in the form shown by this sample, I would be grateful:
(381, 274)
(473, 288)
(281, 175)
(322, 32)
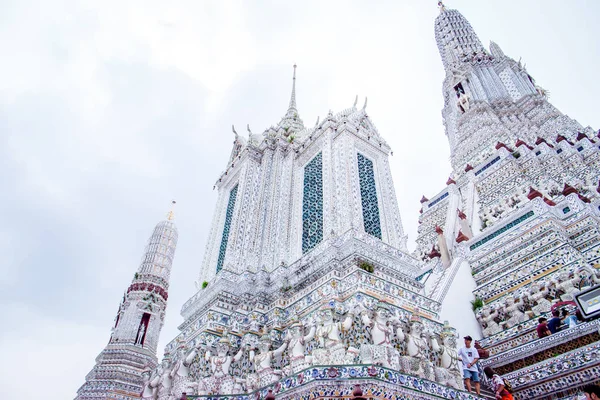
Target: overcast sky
(110, 109)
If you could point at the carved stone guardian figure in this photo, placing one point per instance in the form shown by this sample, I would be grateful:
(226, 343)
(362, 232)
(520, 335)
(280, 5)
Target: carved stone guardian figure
(331, 348)
(449, 371)
(150, 386)
(416, 362)
(181, 371)
(165, 383)
(515, 314)
(220, 381)
(297, 346)
(380, 352)
(265, 375)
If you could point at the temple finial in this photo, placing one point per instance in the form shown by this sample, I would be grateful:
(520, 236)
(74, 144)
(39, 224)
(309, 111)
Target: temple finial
(441, 5)
(293, 98)
(171, 214)
(291, 120)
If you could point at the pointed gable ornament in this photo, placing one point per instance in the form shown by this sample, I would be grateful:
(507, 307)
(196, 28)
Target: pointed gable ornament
(519, 143)
(541, 140)
(568, 189)
(500, 145)
(450, 181)
(560, 138)
(468, 168)
(461, 214)
(461, 237)
(434, 253)
(533, 194)
(424, 199)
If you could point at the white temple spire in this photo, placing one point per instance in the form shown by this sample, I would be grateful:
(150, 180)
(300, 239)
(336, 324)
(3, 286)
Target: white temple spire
(291, 120)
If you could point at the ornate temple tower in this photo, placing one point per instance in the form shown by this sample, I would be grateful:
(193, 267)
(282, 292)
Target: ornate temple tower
(285, 191)
(134, 338)
(489, 97)
(307, 237)
(509, 235)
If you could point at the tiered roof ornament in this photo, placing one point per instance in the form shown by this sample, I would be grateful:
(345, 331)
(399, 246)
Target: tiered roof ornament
(291, 120)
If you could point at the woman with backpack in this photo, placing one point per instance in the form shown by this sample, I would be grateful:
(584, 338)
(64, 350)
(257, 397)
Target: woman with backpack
(502, 388)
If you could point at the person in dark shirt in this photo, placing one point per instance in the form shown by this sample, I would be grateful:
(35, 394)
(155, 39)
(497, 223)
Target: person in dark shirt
(542, 328)
(555, 321)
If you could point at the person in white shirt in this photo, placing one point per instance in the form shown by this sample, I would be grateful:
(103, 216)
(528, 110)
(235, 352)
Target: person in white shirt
(469, 357)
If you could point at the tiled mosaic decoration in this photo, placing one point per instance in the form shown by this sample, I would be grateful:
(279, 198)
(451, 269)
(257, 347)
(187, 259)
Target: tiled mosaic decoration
(368, 194)
(228, 216)
(312, 204)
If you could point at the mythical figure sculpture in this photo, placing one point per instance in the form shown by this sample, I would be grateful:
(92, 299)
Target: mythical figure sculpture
(297, 346)
(539, 292)
(165, 383)
(150, 386)
(331, 349)
(566, 285)
(220, 381)
(489, 314)
(515, 314)
(381, 352)
(140, 335)
(448, 370)
(416, 362)
(587, 278)
(181, 371)
(464, 102)
(265, 375)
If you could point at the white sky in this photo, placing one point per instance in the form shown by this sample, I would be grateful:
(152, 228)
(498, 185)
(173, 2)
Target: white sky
(110, 109)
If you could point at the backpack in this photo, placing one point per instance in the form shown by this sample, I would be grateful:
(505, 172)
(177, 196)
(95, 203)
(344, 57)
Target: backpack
(483, 353)
(507, 386)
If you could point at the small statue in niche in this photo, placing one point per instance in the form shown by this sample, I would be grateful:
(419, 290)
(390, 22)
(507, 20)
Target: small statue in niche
(464, 102)
(140, 336)
(265, 375)
(220, 381)
(381, 351)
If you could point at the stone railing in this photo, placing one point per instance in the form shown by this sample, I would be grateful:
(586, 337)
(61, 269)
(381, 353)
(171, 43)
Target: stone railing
(374, 380)
(538, 345)
(555, 374)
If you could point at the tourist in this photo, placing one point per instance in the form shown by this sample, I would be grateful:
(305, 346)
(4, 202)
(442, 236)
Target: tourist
(555, 322)
(592, 392)
(569, 318)
(542, 328)
(498, 385)
(469, 357)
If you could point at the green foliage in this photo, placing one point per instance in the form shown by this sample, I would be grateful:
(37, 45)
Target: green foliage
(204, 285)
(136, 275)
(286, 289)
(366, 266)
(477, 303)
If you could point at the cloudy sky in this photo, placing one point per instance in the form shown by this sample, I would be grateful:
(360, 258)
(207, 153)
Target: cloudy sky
(110, 109)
